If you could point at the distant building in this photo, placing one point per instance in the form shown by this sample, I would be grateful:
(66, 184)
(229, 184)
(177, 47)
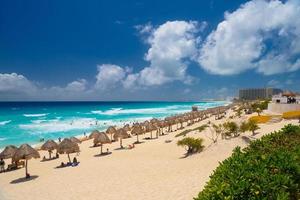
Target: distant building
(284, 102)
(258, 93)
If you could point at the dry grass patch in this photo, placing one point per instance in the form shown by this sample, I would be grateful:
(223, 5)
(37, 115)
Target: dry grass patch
(261, 119)
(291, 115)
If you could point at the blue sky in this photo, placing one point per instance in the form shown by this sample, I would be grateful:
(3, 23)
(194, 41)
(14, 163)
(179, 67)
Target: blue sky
(146, 50)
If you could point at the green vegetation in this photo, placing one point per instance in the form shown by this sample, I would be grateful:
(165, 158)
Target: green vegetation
(185, 132)
(192, 145)
(252, 126)
(238, 112)
(269, 168)
(216, 131)
(243, 127)
(231, 129)
(262, 105)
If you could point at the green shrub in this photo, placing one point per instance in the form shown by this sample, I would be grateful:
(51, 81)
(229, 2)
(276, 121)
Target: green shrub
(262, 105)
(252, 126)
(269, 168)
(243, 127)
(185, 132)
(192, 145)
(231, 129)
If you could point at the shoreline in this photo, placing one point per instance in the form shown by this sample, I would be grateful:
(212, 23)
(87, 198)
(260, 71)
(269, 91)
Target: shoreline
(37, 144)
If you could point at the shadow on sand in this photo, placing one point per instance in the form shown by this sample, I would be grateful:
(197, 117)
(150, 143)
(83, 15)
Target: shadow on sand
(120, 148)
(49, 159)
(103, 154)
(246, 139)
(23, 180)
(138, 142)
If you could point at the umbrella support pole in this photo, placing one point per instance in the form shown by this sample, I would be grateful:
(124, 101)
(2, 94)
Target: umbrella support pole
(69, 158)
(26, 169)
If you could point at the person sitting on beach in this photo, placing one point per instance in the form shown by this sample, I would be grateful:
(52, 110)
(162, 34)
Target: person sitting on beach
(44, 158)
(75, 160)
(62, 164)
(57, 155)
(2, 165)
(107, 150)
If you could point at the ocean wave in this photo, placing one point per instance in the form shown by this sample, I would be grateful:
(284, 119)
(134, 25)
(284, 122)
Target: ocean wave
(2, 139)
(161, 110)
(52, 126)
(4, 122)
(84, 124)
(36, 115)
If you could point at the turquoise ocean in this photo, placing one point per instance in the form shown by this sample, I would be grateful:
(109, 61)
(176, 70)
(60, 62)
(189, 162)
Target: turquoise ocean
(29, 122)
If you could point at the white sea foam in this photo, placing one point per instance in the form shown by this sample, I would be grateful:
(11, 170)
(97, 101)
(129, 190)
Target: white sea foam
(162, 110)
(4, 122)
(41, 121)
(36, 115)
(50, 126)
(2, 139)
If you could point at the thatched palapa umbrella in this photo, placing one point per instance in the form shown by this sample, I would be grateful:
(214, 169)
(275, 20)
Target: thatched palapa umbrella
(94, 134)
(68, 147)
(101, 138)
(75, 140)
(49, 146)
(127, 127)
(137, 130)
(8, 152)
(25, 152)
(120, 134)
(149, 128)
(111, 130)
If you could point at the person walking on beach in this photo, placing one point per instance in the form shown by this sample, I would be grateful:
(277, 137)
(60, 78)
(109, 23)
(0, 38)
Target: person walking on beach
(2, 165)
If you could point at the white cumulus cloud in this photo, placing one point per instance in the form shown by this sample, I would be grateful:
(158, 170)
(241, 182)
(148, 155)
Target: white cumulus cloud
(262, 35)
(16, 83)
(172, 45)
(109, 76)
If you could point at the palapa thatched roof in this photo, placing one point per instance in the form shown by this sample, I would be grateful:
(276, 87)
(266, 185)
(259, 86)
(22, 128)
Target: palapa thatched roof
(151, 127)
(101, 138)
(94, 134)
(67, 146)
(74, 139)
(154, 120)
(8, 152)
(127, 127)
(137, 130)
(25, 152)
(121, 133)
(111, 130)
(49, 145)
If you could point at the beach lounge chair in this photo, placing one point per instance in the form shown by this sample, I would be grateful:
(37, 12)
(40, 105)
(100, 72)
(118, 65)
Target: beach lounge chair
(12, 166)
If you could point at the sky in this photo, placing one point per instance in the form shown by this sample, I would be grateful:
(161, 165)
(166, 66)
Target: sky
(59, 50)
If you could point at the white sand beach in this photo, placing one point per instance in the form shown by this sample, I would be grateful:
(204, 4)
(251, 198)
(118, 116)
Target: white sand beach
(152, 170)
